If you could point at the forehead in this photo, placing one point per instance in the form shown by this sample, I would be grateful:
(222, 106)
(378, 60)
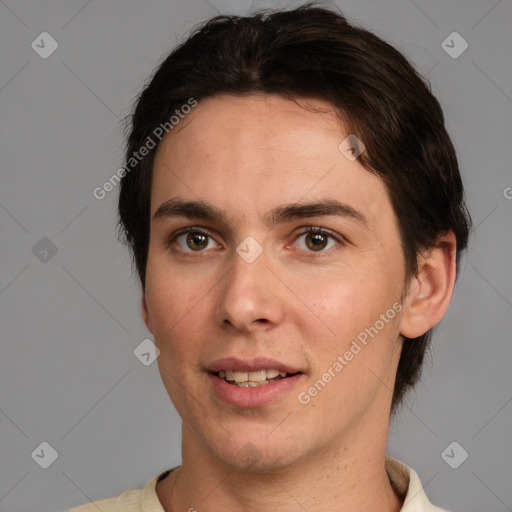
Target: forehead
(268, 124)
(249, 153)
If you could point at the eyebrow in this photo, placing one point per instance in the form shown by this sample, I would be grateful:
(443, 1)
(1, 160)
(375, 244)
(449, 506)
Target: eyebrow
(203, 210)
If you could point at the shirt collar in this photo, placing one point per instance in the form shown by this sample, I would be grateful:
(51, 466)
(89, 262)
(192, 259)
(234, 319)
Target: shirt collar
(406, 483)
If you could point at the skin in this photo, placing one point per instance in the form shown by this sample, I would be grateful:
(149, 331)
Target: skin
(295, 303)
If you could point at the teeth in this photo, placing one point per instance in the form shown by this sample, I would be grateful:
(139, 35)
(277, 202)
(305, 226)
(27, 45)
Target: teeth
(240, 376)
(250, 384)
(258, 376)
(256, 384)
(247, 379)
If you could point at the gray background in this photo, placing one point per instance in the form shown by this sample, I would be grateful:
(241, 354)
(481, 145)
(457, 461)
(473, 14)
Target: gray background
(70, 321)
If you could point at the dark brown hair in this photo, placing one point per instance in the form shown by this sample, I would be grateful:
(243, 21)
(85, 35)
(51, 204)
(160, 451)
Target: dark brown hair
(313, 52)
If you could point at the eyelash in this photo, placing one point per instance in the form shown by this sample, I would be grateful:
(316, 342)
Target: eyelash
(309, 229)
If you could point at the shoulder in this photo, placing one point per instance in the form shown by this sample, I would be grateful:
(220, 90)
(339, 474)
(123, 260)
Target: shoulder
(128, 501)
(132, 500)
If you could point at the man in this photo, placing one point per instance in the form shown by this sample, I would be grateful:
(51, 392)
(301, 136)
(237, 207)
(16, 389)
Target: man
(296, 215)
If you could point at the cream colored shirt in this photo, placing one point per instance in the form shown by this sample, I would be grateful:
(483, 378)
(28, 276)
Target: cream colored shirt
(404, 480)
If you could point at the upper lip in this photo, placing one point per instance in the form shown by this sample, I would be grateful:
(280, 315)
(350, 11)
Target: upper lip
(250, 365)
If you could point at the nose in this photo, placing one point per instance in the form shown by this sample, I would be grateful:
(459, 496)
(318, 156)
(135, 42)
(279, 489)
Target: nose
(250, 297)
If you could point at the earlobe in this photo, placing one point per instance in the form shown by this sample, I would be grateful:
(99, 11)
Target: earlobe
(145, 314)
(430, 291)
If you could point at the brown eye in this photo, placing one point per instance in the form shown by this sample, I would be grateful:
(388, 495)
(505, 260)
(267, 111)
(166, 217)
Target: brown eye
(192, 240)
(316, 241)
(196, 240)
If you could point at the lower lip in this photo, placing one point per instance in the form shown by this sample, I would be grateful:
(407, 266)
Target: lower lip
(253, 397)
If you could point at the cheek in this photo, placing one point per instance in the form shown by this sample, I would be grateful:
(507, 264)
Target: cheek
(178, 316)
(345, 307)
(356, 332)
(172, 293)
(176, 310)
(355, 360)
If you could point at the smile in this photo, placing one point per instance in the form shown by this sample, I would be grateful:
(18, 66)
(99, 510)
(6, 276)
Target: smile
(252, 379)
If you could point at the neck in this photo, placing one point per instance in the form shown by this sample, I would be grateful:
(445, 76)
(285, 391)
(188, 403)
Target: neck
(351, 478)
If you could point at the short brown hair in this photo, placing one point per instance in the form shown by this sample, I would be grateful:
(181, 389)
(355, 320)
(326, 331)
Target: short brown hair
(313, 52)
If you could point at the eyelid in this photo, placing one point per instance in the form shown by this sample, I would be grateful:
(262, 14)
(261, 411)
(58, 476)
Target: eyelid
(323, 231)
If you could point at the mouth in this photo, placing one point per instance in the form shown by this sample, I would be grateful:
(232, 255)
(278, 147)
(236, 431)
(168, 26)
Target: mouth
(253, 379)
(252, 383)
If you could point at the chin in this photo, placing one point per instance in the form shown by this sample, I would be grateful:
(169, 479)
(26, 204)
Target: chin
(256, 457)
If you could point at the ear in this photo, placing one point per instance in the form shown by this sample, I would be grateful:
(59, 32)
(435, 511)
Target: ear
(145, 314)
(430, 291)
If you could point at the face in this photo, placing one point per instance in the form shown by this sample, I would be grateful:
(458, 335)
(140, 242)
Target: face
(271, 250)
